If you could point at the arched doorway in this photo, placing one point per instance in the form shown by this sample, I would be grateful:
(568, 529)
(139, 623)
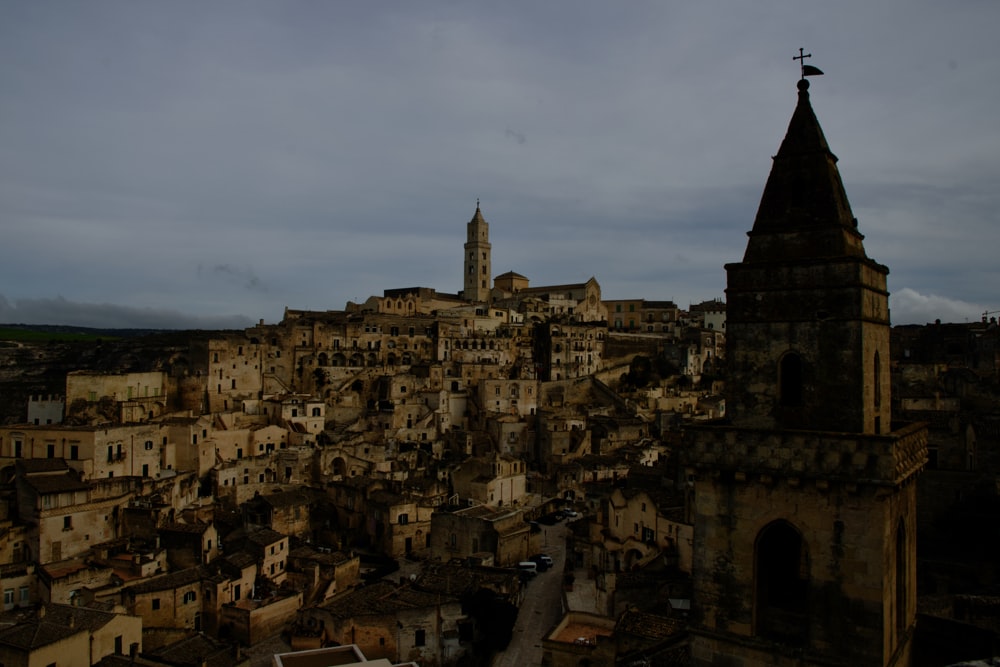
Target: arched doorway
(781, 584)
(340, 467)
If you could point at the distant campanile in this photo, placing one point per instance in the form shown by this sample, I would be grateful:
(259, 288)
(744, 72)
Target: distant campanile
(478, 271)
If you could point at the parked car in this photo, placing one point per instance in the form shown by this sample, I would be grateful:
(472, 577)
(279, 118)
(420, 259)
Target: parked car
(527, 569)
(543, 561)
(571, 514)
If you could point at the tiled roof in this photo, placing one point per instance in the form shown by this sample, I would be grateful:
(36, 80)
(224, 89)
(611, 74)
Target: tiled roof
(196, 650)
(265, 537)
(170, 581)
(649, 626)
(289, 498)
(48, 624)
(45, 484)
(188, 528)
(29, 466)
(380, 598)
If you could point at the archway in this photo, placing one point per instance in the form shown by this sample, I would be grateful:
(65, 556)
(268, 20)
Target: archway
(340, 467)
(781, 584)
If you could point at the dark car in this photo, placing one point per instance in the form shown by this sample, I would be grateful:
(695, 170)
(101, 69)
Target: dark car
(543, 561)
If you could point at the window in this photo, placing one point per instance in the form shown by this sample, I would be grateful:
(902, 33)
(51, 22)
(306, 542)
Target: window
(148, 445)
(404, 519)
(878, 379)
(420, 637)
(156, 604)
(790, 380)
(190, 596)
(67, 523)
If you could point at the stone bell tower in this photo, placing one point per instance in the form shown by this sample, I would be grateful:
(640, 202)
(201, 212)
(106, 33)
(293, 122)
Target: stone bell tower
(804, 500)
(478, 268)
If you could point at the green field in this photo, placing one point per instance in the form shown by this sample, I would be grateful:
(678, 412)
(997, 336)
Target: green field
(25, 335)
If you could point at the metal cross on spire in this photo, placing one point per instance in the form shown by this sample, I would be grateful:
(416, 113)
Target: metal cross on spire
(807, 70)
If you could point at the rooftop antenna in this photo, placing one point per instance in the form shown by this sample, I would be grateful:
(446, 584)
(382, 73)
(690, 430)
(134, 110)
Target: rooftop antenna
(807, 70)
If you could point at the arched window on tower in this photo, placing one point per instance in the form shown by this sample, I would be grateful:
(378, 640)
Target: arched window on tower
(901, 579)
(790, 380)
(781, 584)
(877, 390)
(877, 369)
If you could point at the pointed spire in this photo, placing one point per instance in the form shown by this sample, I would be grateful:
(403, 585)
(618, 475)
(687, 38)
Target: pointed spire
(804, 211)
(478, 215)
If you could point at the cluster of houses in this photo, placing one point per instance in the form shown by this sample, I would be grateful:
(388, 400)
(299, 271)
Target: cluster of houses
(262, 482)
(197, 503)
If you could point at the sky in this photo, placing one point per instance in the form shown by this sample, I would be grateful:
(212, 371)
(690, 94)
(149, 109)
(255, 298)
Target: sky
(193, 164)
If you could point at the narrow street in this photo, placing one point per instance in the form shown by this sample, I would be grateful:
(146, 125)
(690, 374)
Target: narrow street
(541, 608)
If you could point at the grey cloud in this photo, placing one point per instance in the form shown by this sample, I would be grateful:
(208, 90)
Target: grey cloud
(246, 156)
(246, 277)
(518, 137)
(911, 307)
(108, 316)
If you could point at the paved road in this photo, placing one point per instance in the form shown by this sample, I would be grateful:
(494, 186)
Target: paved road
(541, 608)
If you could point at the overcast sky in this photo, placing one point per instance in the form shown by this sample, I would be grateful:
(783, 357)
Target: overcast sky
(207, 164)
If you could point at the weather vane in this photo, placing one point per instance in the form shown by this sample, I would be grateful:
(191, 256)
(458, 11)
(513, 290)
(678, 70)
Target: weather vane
(807, 70)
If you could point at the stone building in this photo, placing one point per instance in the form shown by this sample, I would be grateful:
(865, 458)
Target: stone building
(390, 622)
(478, 530)
(397, 524)
(189, 544)
(639, 525)
(497, 480)
(172, 600)
(322, 573)
(137, 397)
(236, 366)
(804, 500)
(46, 409)
(55, 634)
(67, 515)
(94, 451)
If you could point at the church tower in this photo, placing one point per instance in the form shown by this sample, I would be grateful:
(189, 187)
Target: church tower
(478, 269)
(804, 500)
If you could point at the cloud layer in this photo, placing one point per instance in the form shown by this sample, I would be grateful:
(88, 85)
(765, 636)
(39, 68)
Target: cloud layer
(229, 159)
